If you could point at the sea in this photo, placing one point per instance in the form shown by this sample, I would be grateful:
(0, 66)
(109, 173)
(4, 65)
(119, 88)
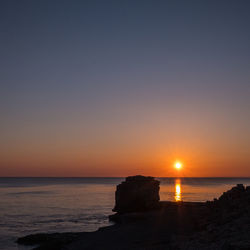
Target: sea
(42, 205)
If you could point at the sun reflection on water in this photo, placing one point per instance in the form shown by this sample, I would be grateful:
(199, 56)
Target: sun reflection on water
(177, 195)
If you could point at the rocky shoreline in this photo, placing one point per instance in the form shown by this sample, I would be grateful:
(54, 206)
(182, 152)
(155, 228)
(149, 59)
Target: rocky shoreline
(223, 223)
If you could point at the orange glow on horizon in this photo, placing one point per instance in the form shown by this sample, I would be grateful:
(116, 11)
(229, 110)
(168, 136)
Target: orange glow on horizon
(71, 161)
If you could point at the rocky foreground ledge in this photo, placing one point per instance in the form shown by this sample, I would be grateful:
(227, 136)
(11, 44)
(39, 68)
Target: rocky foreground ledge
(149, 224)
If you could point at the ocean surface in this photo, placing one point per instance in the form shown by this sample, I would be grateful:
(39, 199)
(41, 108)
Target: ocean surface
(33, 205)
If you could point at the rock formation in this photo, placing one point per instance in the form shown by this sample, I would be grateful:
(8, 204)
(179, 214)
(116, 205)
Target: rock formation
(137, 193)
(227, 224)
(234, 199)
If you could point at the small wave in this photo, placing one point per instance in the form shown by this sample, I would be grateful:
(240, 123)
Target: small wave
(80, 218)
(31, 193)
(50, 221)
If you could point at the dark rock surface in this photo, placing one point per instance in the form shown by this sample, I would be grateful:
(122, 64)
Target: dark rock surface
(227, 225)
(53, 241)
(137, 193)
(150, 230)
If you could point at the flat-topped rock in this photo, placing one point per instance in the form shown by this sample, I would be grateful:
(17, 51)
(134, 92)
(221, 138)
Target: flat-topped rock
(137, 193)
(137, 178)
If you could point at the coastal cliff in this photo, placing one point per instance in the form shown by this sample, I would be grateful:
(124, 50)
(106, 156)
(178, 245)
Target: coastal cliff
(222, 224)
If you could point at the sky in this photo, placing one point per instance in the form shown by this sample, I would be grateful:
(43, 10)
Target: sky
(117, 88)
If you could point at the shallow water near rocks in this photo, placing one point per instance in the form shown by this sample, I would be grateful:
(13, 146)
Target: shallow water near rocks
(34, 205)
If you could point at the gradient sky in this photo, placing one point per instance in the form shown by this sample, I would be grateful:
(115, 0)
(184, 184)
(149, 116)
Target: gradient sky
(115, 88)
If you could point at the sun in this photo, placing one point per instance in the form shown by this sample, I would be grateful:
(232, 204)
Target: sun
(178, 165)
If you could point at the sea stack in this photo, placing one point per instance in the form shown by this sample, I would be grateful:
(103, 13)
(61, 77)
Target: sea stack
(137, 193)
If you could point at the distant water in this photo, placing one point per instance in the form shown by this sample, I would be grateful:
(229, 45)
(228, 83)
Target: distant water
(33, 205)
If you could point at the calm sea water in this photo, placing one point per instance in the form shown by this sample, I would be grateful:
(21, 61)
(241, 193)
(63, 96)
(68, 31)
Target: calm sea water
(33, 205)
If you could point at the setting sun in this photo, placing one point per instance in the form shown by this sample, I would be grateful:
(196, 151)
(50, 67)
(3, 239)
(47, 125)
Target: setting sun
(178, 165)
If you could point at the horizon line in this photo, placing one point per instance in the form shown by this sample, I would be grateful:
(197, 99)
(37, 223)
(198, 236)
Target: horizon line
(123, 176)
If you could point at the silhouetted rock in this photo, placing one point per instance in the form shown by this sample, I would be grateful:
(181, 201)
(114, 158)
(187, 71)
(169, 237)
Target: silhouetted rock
(234, 199)
(233, 194)
(137, 193)
(227, 223)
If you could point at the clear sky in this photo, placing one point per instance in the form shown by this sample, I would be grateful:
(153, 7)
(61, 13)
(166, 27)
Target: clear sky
(114, 88)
